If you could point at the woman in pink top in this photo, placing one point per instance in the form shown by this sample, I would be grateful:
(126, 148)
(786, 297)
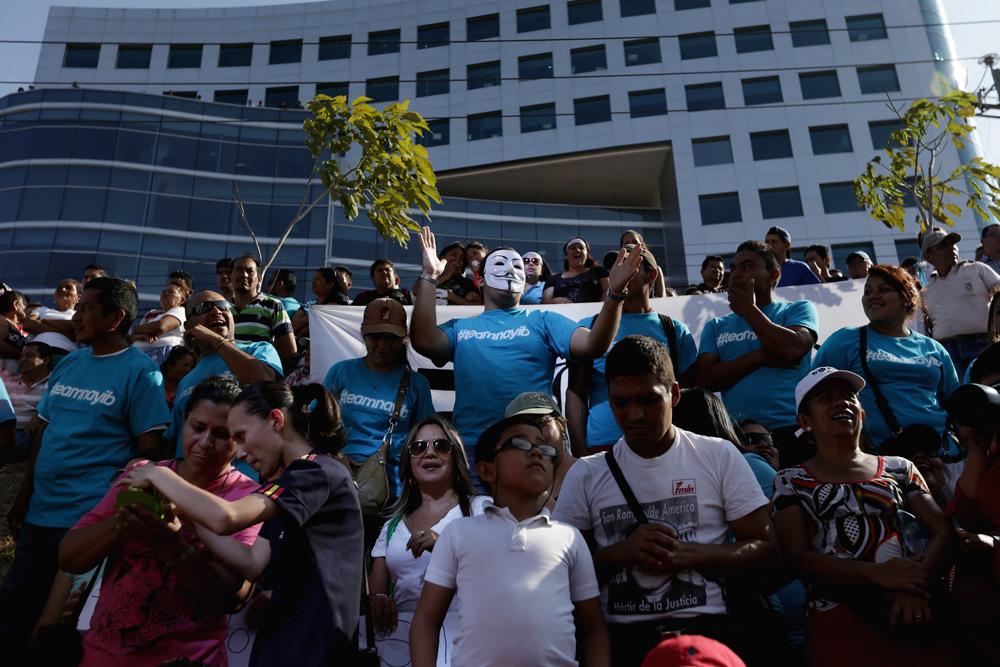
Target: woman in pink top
(162, 596)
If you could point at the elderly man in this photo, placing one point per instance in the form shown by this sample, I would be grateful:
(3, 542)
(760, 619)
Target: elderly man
(259, 317)
(793, 272)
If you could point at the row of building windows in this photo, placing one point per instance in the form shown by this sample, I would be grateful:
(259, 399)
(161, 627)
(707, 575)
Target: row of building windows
(338, 47)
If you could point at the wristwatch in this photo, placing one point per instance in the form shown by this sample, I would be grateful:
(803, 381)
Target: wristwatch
(618, 297)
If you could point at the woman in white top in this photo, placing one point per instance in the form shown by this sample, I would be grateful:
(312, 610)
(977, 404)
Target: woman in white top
(437, 489)
(161, 329)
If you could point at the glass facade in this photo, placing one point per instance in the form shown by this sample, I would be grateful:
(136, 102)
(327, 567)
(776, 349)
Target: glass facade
(809, 33)
(482, 27)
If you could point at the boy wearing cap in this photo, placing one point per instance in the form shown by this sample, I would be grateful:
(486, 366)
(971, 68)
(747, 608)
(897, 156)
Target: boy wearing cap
(523, 578)
(555, 429)
(367, 388)
(957, 299)
(793, 272)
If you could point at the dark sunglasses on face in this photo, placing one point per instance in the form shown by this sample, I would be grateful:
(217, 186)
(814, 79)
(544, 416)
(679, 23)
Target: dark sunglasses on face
(205, 306)
(532, 260)
(440, 445)
(760, 438)
(526, 446)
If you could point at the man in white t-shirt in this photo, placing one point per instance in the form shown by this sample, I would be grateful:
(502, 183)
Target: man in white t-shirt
(695, 492)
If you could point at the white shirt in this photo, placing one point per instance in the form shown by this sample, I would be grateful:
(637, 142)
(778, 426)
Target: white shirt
(53, 338)
(171, 338)
(697, 487)
(959, 303)
(518, 581)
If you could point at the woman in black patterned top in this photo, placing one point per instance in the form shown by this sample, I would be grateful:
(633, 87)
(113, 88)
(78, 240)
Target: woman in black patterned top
(582, 280)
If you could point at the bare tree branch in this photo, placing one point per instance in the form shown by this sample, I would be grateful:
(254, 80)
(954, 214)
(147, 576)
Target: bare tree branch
(243, 216)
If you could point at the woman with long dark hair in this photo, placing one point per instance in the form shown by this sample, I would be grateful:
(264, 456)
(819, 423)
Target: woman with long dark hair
(582, 279)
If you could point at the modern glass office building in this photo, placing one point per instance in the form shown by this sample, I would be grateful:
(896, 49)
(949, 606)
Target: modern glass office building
(700, 123)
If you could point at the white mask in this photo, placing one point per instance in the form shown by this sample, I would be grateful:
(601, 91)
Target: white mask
(504, 271)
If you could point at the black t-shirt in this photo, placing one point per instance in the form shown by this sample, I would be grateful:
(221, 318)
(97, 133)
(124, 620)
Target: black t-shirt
(584, 288)
(400, 295)
(459, 286)
(315, 570)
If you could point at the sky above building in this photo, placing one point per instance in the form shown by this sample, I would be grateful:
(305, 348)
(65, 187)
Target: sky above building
(976, 32)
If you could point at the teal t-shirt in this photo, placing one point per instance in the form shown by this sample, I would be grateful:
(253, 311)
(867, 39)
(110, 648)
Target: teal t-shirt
(498, 355)
(915, 374)
(602, 429)
(367, 399)
(6, 407)
(95, 406)
(768, 394)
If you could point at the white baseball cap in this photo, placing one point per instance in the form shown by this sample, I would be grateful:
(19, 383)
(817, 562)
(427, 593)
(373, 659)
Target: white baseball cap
(822, 374)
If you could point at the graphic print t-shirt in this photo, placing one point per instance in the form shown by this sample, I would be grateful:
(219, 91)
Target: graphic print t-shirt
(697, 487)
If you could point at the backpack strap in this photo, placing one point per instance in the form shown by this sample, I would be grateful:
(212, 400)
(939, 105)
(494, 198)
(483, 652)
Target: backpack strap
(670, 331)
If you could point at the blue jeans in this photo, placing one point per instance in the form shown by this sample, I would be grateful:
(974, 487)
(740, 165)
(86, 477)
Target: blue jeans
(965, 349)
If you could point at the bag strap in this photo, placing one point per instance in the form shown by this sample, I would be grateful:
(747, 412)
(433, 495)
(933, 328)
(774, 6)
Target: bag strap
(883, 405)
(369, 621)
(623, 486)
(404, 384)
(670, 331)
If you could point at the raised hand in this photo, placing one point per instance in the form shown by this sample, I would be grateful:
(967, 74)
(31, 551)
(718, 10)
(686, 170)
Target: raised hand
(432, 266)
(624, 269)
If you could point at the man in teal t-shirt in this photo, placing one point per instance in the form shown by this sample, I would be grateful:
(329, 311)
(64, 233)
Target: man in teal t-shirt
(591, 422)
(758, 353)
(366, 388)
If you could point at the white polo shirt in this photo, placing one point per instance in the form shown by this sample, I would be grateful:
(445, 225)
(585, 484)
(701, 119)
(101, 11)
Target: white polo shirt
(518, 581)
(959, 303)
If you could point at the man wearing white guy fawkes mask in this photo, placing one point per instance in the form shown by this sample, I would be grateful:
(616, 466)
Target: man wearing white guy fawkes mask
(506, 350)
(535, 272)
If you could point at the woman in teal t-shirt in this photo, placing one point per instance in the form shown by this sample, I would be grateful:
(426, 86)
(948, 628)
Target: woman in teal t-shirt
(914, 372)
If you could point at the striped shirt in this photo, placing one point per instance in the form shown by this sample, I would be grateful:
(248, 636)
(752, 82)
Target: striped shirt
(24, 398)
(261, 320)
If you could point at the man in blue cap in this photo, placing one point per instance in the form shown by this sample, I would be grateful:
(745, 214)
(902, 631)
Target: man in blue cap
(793, 272)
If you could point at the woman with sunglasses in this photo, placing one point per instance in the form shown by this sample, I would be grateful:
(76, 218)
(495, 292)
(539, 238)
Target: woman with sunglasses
(437, 489)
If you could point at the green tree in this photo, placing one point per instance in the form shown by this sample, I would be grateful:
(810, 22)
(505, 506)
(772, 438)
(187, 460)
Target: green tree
(367, 160)
(913, 168)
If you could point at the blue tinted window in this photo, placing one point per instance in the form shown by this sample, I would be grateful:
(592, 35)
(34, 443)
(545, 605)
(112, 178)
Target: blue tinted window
(878, 79)
(92, 176)
(176, 152)
(293, 163)
(235, 55)
(430, 36)
(881, 130)
(770, 145)
(588, 59)
(681, 5)
(53, 142)
(255, 160)
(642, 52)
(285, 51)
(335, 48)
(482, 27)
(838, 197)
(384, 89)
(384, 41)
(780, 203)
(698, 45)
(135, 147)
(9, 200)
(40, 204)
(704, 96)
(232, 96)
(642, 103)
(535, 67)
(636, 7)
(866, 28)
(130, 179)
(216, 156)
(720, 208)
(282, 97)
(809, 33)
(134, 56)
(583, 11)
(762, 90)
(816, 85)
(712, 150)
(485, 126)
(828, 139)
(438, 135)
(12, 177)
(533, 18)
(432, 83)
(753, 38)
(84, 204)
(590, 110)
(333, 88)
(538, 117)
(168, 213)
(82, 55)
(47, 175)
(16, 145)
(184, 55)
(483, 75)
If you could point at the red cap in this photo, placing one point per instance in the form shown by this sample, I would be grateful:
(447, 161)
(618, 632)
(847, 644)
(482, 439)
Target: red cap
(691, 651)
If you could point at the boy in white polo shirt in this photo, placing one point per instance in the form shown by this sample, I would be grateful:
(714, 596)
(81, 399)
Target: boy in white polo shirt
(523, 577)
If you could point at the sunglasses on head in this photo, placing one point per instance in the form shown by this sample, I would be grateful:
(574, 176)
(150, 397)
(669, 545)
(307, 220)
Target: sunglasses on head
(526, 446)
(219, 304)
(758, 438)
(440, 445)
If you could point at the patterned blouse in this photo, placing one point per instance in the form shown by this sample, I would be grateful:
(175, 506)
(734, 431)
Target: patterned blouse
(857, 520)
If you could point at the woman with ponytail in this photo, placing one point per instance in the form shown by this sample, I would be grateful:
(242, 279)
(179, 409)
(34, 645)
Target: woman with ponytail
(313, 520)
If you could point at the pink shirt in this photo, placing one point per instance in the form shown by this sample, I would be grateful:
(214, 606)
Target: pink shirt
(144, 615)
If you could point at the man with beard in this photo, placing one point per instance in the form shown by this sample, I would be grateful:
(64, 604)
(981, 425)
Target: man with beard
(506, 350)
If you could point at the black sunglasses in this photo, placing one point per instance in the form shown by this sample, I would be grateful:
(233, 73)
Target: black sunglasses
(219, 304)
(755, 438)
(440, 445)
(526, 446)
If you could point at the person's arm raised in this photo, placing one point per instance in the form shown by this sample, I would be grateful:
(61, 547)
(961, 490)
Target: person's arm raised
(425, 336)
(244, 367)
(592, 343)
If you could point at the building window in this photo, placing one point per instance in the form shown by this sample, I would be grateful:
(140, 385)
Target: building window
(335, 48)
(642, 103)
(839, 197)
(134, 56)
(438, 134)
(231, 97)
(483, 75)
(720, 208)
(712, 150)
(285, 51)
(538, 117)
(780, 202)
(485, 126)
(698, 45)
(878, 79)
(429, 36)
(827, 139)
(588, 110)
(588, 59)
(753, 38)
(637, 7)
(82, 55)
(282, 97)
(842, 251)
(866, 28)
(538, 66)
(881, 132)
(184, 56)
(770, 145)
(187, 94)
(383, 41)
(740, 2)
(816, 85)
(334, 88)
(235, 55)
(681, 5)
(530, 19)
(704, 96)
(382, 89)
(809, 33)
(762, 90)
(583, 11)
(482, 27)
(642, 52)
(905, 248)
(432, 83)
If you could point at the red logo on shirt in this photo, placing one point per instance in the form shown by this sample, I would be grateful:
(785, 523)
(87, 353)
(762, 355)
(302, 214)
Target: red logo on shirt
(683, 487)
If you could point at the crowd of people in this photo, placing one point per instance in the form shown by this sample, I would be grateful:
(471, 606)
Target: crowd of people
(746, 497)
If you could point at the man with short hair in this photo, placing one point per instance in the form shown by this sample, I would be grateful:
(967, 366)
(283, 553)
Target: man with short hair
(957, 299)
(990, 240)
(858, 263)
(105, 406)
(793, 272)
(259, 317)
(534, 280)
(713, 274)
(223, 278)
(705, 518)
(757, 354)
(93, 271)
(819, 261)
(386, 281)
(345, 281)
(283, 287)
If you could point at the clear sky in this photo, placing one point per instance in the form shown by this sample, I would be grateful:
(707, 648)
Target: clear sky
(25, 20)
